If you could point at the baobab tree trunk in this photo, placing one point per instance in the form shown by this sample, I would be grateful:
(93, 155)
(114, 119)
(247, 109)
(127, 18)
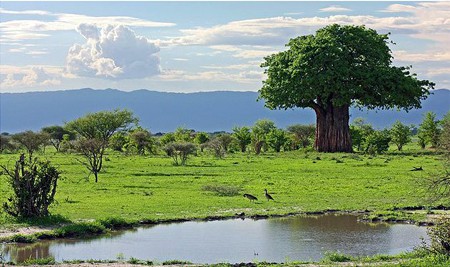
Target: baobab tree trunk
(332, 129)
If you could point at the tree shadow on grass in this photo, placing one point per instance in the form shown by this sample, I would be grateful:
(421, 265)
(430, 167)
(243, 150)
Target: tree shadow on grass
(44, 221)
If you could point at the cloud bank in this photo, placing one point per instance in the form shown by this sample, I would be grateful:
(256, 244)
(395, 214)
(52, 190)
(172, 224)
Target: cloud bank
(113, 52)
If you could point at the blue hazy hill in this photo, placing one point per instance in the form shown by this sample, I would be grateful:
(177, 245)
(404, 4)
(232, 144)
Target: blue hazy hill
(163, 112)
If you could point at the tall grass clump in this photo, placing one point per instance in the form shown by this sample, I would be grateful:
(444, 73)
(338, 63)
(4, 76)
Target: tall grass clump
(115, 223)
(80, 229)
(43, 261)
(333, 256)
(222, 190)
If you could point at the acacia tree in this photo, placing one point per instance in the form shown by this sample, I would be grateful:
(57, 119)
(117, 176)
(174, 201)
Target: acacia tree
(333, 69)
(56, 134)
(31, 141)
(95, 130)
(302, 133)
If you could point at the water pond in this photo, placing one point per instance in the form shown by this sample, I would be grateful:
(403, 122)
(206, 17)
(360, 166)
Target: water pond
(275, 240)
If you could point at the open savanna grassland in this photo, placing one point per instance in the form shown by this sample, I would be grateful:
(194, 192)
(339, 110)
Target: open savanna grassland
(151, 188)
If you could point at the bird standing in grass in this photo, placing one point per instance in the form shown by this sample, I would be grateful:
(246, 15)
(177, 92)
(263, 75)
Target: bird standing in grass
(251, 197)
(269, 197)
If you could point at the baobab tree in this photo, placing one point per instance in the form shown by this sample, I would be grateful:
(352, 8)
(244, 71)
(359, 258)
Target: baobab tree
(335, 68)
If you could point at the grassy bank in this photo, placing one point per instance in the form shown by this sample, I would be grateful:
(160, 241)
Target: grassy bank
(139, 188)
(418, 258)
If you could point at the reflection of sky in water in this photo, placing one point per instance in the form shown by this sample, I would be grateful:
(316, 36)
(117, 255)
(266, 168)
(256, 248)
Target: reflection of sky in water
(293, 238)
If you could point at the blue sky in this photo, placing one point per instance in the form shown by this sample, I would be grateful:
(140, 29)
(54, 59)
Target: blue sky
(194, 46)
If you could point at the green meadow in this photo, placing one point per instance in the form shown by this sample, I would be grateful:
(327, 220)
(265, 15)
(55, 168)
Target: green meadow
(137, 188)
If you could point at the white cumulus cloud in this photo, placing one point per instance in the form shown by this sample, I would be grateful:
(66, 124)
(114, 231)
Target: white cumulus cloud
(114, 52)
(335, 8)
(28, 77)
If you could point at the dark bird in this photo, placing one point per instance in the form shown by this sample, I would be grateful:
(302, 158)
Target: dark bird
(269, 197)
(251, 197)
(417, 168)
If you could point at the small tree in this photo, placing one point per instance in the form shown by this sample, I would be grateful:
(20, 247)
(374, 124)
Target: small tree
(67, 143)
(400, 134)
(225, 140)
(217, 146)
(6, 144)
(31, 141)
(302, 133)
(377, 142)
(201, 138)
(243, 137)
(167, 139)
(142, 140)
(421, 140)
(359, 130)
(34, 186)
(118, 141)
(95, 130)
(93, 151)
(276, 139)
(56, 134)
(183, 135)
(180, 152)
(429, 129)
(259, 134)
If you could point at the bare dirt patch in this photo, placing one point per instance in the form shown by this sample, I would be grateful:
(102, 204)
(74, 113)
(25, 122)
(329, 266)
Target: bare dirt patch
(29, 230)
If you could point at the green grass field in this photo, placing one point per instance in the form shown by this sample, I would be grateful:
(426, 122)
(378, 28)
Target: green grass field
(152, 188)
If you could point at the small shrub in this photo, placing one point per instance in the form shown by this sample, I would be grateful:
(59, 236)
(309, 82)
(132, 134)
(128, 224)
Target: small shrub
(440, 236)
(173, 262)
(120, 257)
(134, 261)
(222, 190)
(34, 185)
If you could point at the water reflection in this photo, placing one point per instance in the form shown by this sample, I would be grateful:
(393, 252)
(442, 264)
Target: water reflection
(294, 238)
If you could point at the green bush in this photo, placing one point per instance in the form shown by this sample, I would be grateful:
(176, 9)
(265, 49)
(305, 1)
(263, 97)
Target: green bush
(377, 142)
(34, 185)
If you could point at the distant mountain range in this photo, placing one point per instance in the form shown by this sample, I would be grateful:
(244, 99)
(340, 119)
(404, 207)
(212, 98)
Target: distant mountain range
(164, 112)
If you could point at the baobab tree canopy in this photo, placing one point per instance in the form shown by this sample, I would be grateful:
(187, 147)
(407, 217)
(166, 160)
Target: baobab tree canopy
(338, 67)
